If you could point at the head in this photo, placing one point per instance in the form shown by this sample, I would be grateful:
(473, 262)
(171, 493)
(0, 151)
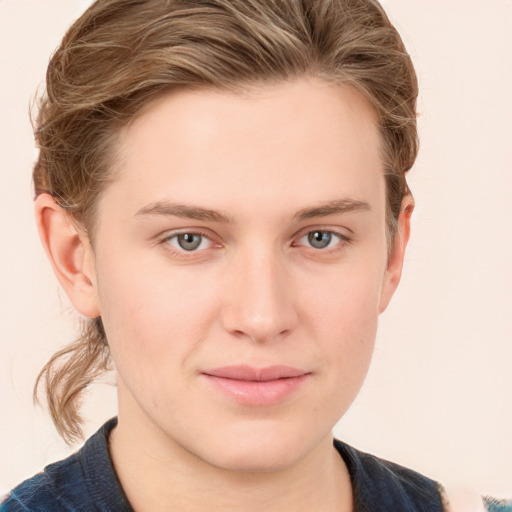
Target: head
(126, 67)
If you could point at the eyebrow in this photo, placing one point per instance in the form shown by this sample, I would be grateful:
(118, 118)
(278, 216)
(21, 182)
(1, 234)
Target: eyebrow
(183, 210)
(166, 208)
(336, 207)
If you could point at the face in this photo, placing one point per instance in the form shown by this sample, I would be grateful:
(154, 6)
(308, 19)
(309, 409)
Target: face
(240, 264)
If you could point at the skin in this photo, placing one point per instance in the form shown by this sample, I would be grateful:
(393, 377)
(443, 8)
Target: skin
(255, 291)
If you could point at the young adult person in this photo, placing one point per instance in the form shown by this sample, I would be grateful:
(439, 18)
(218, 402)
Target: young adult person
(221, 192)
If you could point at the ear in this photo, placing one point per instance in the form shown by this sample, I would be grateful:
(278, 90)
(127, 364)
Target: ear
(70, 254)
(396, 256)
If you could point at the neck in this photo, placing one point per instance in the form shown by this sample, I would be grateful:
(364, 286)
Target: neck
(157, 474)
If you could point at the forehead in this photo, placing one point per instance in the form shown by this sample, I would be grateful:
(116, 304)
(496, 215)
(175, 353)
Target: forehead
(297, 139)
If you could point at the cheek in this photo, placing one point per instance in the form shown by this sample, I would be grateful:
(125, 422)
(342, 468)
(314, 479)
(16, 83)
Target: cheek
(153, 313)
(346, 299)
(349, 335)
(344, 319)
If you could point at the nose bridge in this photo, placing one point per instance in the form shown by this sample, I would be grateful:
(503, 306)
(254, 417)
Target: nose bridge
(259, 303)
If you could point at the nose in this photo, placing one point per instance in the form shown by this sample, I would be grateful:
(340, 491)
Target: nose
(259, 302)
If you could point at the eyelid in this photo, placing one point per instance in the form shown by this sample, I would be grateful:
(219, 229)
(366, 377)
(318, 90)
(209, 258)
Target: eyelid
(168, 235)
(338, 232)
(165, 237)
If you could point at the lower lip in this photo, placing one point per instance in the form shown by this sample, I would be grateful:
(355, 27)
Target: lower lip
(248, 392)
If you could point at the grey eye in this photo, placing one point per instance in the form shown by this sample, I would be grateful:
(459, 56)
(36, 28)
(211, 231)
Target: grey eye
(319, 239)
(189, 241)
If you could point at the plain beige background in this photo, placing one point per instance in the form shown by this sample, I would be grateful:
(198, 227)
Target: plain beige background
(438, 396)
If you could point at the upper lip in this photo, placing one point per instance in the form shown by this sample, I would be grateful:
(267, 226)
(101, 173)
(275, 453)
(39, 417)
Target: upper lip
(250, 373)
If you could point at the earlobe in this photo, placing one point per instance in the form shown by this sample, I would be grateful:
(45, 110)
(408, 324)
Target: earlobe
(70, 254)
(396, 256)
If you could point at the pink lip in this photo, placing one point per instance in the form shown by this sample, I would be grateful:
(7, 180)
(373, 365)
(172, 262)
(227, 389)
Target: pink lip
(256, 386)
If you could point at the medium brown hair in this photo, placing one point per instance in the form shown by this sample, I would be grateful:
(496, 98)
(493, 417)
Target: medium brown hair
(122, 55)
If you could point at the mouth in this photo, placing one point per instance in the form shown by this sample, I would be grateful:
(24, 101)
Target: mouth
(248, 385)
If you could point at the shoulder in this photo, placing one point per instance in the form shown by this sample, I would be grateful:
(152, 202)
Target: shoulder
(54, 489)
(60, 487)
(84, 481)
(379, 484)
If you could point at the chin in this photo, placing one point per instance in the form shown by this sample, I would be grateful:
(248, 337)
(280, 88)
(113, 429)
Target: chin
(258, 450)
(255, 461)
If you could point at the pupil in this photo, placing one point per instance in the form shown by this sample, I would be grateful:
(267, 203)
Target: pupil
(188, 241)
(319, 239)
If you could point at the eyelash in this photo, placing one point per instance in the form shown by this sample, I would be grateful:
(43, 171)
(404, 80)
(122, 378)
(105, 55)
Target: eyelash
(182, 253)
(343, 240)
